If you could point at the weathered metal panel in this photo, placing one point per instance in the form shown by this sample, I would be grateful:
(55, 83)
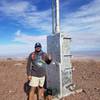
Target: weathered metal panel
(53, 46)
(53, 78)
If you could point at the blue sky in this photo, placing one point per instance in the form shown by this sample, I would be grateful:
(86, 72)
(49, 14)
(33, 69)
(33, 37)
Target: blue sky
(24, 22)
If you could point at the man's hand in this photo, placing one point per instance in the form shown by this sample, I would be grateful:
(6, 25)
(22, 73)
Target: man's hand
(49, 57)
(29, 77)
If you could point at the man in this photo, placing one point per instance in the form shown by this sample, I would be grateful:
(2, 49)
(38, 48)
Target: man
(36, 71)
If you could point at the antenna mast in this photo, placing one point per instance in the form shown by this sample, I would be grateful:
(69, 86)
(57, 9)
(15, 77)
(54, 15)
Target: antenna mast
(55, 16)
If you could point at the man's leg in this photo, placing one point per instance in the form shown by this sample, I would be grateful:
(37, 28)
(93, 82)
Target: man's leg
(40, 88)
(34, 84)
(41, 93)
(32, 95)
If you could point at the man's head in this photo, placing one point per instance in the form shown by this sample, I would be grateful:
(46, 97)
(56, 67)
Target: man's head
(38, 47)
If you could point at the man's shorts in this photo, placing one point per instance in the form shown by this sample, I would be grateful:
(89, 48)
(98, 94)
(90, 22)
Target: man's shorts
(37, 81)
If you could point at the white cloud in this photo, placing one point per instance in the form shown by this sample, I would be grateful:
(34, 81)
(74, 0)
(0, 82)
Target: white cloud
(29, 39)
(88, 16)
(83, 26)
(14, 8)
(22, 45)
(28, 15)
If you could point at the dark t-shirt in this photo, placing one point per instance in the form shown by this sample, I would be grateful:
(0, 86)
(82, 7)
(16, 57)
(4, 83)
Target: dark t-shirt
(35, 69)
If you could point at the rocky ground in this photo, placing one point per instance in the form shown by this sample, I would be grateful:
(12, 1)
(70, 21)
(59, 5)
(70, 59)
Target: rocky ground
(86, 75)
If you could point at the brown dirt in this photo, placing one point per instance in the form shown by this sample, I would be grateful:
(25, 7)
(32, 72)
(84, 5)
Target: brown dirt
(86, 75)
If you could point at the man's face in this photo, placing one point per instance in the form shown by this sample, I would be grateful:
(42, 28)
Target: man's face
(38, 49)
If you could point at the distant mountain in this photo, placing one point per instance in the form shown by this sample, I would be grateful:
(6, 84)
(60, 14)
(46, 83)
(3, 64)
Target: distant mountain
(86, 53)
(19, 55)
(95, 54)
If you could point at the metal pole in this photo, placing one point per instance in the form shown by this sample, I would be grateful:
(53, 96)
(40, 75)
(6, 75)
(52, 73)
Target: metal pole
(57, 17)
(53, 17)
